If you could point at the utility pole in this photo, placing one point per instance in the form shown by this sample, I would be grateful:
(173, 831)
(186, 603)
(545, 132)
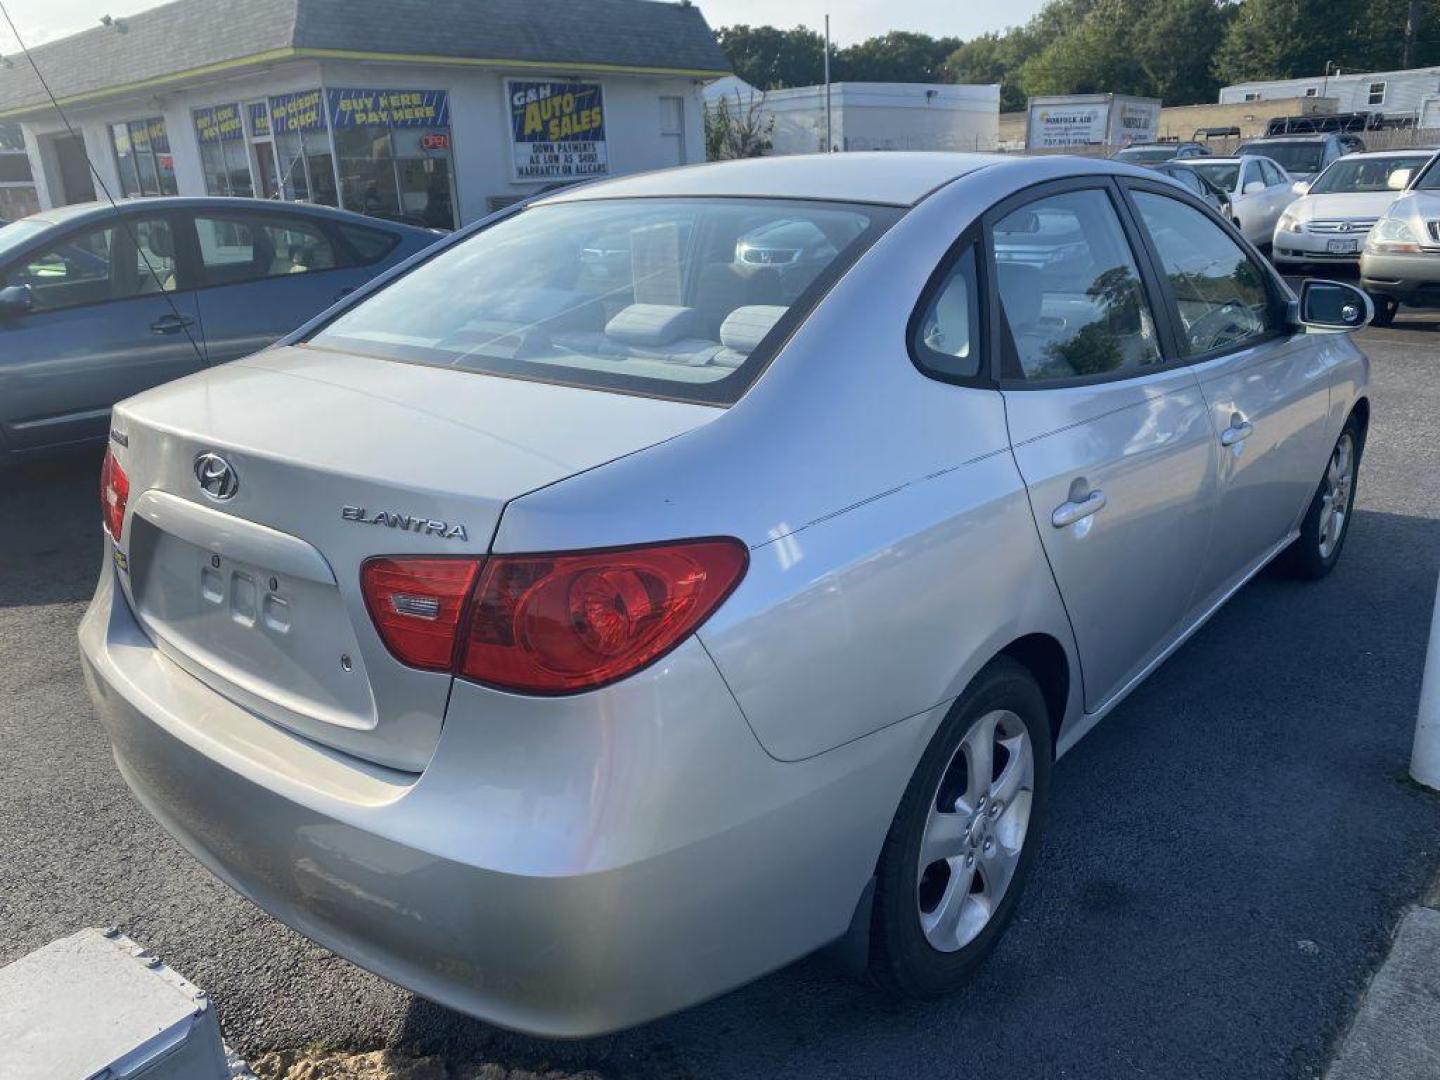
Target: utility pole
(1412, 31)
(829, 142)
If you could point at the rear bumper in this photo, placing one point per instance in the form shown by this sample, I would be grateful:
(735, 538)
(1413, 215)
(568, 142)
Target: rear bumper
(1412, 279)
(563, 867)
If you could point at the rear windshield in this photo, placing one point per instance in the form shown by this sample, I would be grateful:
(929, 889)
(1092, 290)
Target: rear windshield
(1146, 153)
(1363, 174)
(679, 298)
(1221, 173)
(1295, 157)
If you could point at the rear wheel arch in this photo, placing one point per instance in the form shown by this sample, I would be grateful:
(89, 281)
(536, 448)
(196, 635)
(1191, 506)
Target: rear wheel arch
(1046, 660)
(1360, 413)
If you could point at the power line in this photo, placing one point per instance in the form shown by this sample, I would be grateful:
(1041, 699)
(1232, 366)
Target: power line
(100, 180)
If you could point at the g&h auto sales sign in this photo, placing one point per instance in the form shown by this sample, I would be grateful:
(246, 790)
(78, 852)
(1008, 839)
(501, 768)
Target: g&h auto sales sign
(557, 130)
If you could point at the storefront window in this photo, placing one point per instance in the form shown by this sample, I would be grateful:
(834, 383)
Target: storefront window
(17, 186)
(302, 148)
(142, 157)
(222, 150)
(394, 154)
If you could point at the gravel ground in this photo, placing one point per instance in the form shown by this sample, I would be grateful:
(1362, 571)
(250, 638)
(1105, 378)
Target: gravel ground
(1226, 858)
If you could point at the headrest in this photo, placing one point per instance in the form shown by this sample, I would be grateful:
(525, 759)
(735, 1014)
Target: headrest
(744, 327)
(650, 324)
(160, 242)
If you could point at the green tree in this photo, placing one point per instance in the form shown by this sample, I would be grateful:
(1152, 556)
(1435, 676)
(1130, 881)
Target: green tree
(899, 56)
(992, 58)
(1175, 44)
(772, 59)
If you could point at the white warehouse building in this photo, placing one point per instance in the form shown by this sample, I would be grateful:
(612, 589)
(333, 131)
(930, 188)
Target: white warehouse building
(1395, 95)
(871, 116)
(433, 112)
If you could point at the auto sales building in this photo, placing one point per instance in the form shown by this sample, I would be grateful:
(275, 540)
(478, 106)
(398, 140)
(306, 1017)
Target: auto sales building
(434, 112)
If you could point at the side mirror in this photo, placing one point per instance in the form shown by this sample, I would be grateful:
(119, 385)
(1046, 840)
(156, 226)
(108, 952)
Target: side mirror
(1399, 180)
(16, 300)
(1254, 187)
(1333, 307)
(1301, 187)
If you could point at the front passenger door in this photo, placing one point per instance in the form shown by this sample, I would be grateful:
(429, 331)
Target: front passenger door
(111, 317)
(1113, 442)
(1267, 391)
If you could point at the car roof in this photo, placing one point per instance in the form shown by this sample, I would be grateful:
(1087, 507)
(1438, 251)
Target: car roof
(78, 212)
(1412, 151)
(1318, 137)
(900, 178)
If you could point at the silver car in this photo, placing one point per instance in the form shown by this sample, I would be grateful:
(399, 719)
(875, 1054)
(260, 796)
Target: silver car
(1400, 263)
(573, 637)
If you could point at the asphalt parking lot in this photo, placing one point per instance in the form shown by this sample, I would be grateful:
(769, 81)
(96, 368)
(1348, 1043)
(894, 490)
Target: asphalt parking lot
(1227, 855)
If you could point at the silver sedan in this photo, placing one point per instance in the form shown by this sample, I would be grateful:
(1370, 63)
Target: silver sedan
(684, 572)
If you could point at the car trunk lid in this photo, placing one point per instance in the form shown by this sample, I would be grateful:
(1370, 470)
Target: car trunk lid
(336, 458)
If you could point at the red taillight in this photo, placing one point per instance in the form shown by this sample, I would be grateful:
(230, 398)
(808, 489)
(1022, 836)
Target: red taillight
(114, 493)
(555, 624)
(416, 604)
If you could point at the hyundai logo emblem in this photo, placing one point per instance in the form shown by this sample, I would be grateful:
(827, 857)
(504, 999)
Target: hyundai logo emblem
(216, 476)
(1345, 226)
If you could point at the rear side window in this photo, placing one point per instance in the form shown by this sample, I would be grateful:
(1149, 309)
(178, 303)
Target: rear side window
(1220, 292)
(243, 247)
(681, 298)
(946, 336)
(1070, 291)
(369, 245)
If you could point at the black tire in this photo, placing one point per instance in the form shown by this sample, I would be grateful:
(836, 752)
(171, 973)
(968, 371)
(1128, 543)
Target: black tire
(902, 959)
(1316, 550)
(1386, 308)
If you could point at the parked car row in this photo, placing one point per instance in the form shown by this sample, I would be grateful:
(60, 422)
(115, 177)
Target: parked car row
(1315, 200)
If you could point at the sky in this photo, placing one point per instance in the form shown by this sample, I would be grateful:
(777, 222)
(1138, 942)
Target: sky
(850, 20)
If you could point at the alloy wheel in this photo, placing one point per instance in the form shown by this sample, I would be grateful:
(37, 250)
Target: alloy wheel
(975, 831)
(1335, 495)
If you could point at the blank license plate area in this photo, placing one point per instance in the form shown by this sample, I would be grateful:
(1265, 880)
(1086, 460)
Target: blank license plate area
(279, 644)
(1342, 247)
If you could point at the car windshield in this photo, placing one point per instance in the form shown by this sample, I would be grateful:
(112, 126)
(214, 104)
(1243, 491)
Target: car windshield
(20, 232)
(1146, 153)
(1363, 174)
(1220, 173)
(1429, 180)
(1295, 157)
(667, 297)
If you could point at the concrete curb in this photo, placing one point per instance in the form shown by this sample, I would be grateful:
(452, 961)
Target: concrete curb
(1396, 1031)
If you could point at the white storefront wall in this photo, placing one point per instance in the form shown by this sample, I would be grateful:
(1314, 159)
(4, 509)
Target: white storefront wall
(640, 127)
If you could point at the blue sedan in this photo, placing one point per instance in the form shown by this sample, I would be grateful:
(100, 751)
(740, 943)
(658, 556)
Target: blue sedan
(99, 302)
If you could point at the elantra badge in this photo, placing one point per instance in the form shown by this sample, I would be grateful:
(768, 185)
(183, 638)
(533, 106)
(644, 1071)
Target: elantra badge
(216, 476)
(405, 521)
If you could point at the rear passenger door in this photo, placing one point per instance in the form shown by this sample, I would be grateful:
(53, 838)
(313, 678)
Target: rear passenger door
(1113, 440)
(263, 275)
(1267, 390)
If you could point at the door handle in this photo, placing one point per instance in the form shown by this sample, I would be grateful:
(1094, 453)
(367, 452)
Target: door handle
(171, 324)
(1237, 432)
(1068, 513)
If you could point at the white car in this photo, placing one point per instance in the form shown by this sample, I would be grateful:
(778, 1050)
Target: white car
(1259, 191)
(1330, 221)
